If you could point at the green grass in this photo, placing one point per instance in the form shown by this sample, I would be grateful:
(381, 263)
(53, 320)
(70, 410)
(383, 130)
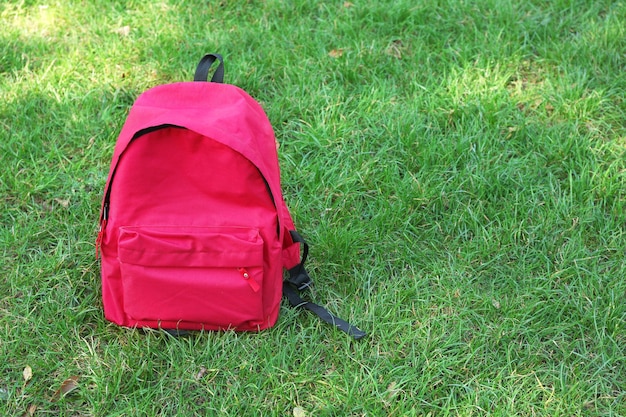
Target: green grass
(459, 168)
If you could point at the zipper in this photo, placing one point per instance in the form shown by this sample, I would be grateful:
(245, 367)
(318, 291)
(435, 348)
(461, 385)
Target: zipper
(104, 216)
(107, 194)
(103, 225)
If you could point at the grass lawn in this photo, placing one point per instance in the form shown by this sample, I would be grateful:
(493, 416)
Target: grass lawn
(458, 167)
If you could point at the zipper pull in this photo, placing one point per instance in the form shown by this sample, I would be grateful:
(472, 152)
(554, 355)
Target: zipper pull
(103, 225)
(251, 281)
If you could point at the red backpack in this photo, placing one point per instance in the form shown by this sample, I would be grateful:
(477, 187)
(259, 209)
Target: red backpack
(194, 231)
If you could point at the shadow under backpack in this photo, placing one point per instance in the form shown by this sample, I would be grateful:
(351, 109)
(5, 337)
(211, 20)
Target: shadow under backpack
(194, 231)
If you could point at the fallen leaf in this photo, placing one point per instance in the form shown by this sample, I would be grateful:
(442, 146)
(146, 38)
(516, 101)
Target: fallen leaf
(392, 390)
(200, 373)
(347, 4)
(30, 411)
(69, 385)
(511, 130)
(124, 31)
(27, 373)
(395, 49)
(47, 206)
(62, 202)
(336, 53)
(536, 103)
(496, 304)
(299, 412)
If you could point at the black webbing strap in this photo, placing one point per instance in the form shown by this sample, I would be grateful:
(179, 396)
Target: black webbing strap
(202, 71)
(298, 277)
(296, 301)
(299, 280)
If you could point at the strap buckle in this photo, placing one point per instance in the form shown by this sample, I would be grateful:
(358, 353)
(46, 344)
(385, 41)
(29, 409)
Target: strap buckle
(299, 278)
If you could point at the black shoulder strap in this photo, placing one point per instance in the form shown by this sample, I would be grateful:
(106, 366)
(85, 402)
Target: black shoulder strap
(299, 280)
(202, 71)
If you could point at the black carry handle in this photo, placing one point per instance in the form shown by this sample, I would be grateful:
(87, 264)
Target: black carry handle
(202, 71)
(299, 280)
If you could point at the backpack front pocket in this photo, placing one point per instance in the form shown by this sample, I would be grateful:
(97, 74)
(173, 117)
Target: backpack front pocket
(207, 275)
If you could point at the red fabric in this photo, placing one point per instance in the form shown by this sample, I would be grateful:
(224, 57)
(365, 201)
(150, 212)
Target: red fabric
(193, 238)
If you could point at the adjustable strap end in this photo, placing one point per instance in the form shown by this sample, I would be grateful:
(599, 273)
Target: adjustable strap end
(296, 301)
